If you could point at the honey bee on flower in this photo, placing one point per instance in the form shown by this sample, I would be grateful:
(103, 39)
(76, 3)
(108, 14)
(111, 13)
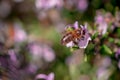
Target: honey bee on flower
(76, 35)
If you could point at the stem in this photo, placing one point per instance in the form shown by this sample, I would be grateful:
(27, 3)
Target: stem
(76, 59)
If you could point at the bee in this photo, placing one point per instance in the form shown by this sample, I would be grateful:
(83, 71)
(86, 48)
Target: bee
(74, 35)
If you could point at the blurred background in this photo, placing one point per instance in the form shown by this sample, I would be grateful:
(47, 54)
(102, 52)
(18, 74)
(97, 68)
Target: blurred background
(30, 40)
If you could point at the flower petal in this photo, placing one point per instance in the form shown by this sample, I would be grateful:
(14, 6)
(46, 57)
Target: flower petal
(84, 41)
(75, 25)
(41, 76)
(51, 76)
(70, 44)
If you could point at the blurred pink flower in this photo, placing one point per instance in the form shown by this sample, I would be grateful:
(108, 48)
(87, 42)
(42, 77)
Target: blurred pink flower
(49, 54)
(47, 4)
(82, 5)
(35, 48)
(41, 51)
(101, 24)
(20, 34)
(106, 62)
(45, 77)
(103, 28)
(102, 73)
(99, 19)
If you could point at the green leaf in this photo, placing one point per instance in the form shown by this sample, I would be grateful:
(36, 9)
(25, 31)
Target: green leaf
(106, 49)
(95, 35)
(111, 40)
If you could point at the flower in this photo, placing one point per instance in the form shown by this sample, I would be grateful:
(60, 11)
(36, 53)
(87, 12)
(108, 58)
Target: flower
(20, 34)
(41, 51)
(100, 21)
(6, 64)
(45, 77)
(76, 36)
(84, 42)
(82, 5)
(47, 4)
(13, 56)
(103, 73)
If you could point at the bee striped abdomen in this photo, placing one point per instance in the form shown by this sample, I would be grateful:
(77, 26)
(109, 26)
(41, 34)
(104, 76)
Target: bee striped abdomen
(67, 38)
(73, 36)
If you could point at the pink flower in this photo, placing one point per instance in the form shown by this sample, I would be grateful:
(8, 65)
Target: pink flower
(41, 51)
(47, 4)
(20, 34)
(101, 23)
(45, 77)
(82, 5)
(49, 54)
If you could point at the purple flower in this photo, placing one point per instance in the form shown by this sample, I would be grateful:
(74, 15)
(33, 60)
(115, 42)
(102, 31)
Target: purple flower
(84, 41)
(82, 5)
(101, 23)
(99, 19)
(20, 34)
(76, 36)
(49, 54)
(47, 4)
(106, 62)
(77, 4)
(102, 28)
(103, 73)
(6, 64)
(13, 56)
(45, 77)
(41, 51)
